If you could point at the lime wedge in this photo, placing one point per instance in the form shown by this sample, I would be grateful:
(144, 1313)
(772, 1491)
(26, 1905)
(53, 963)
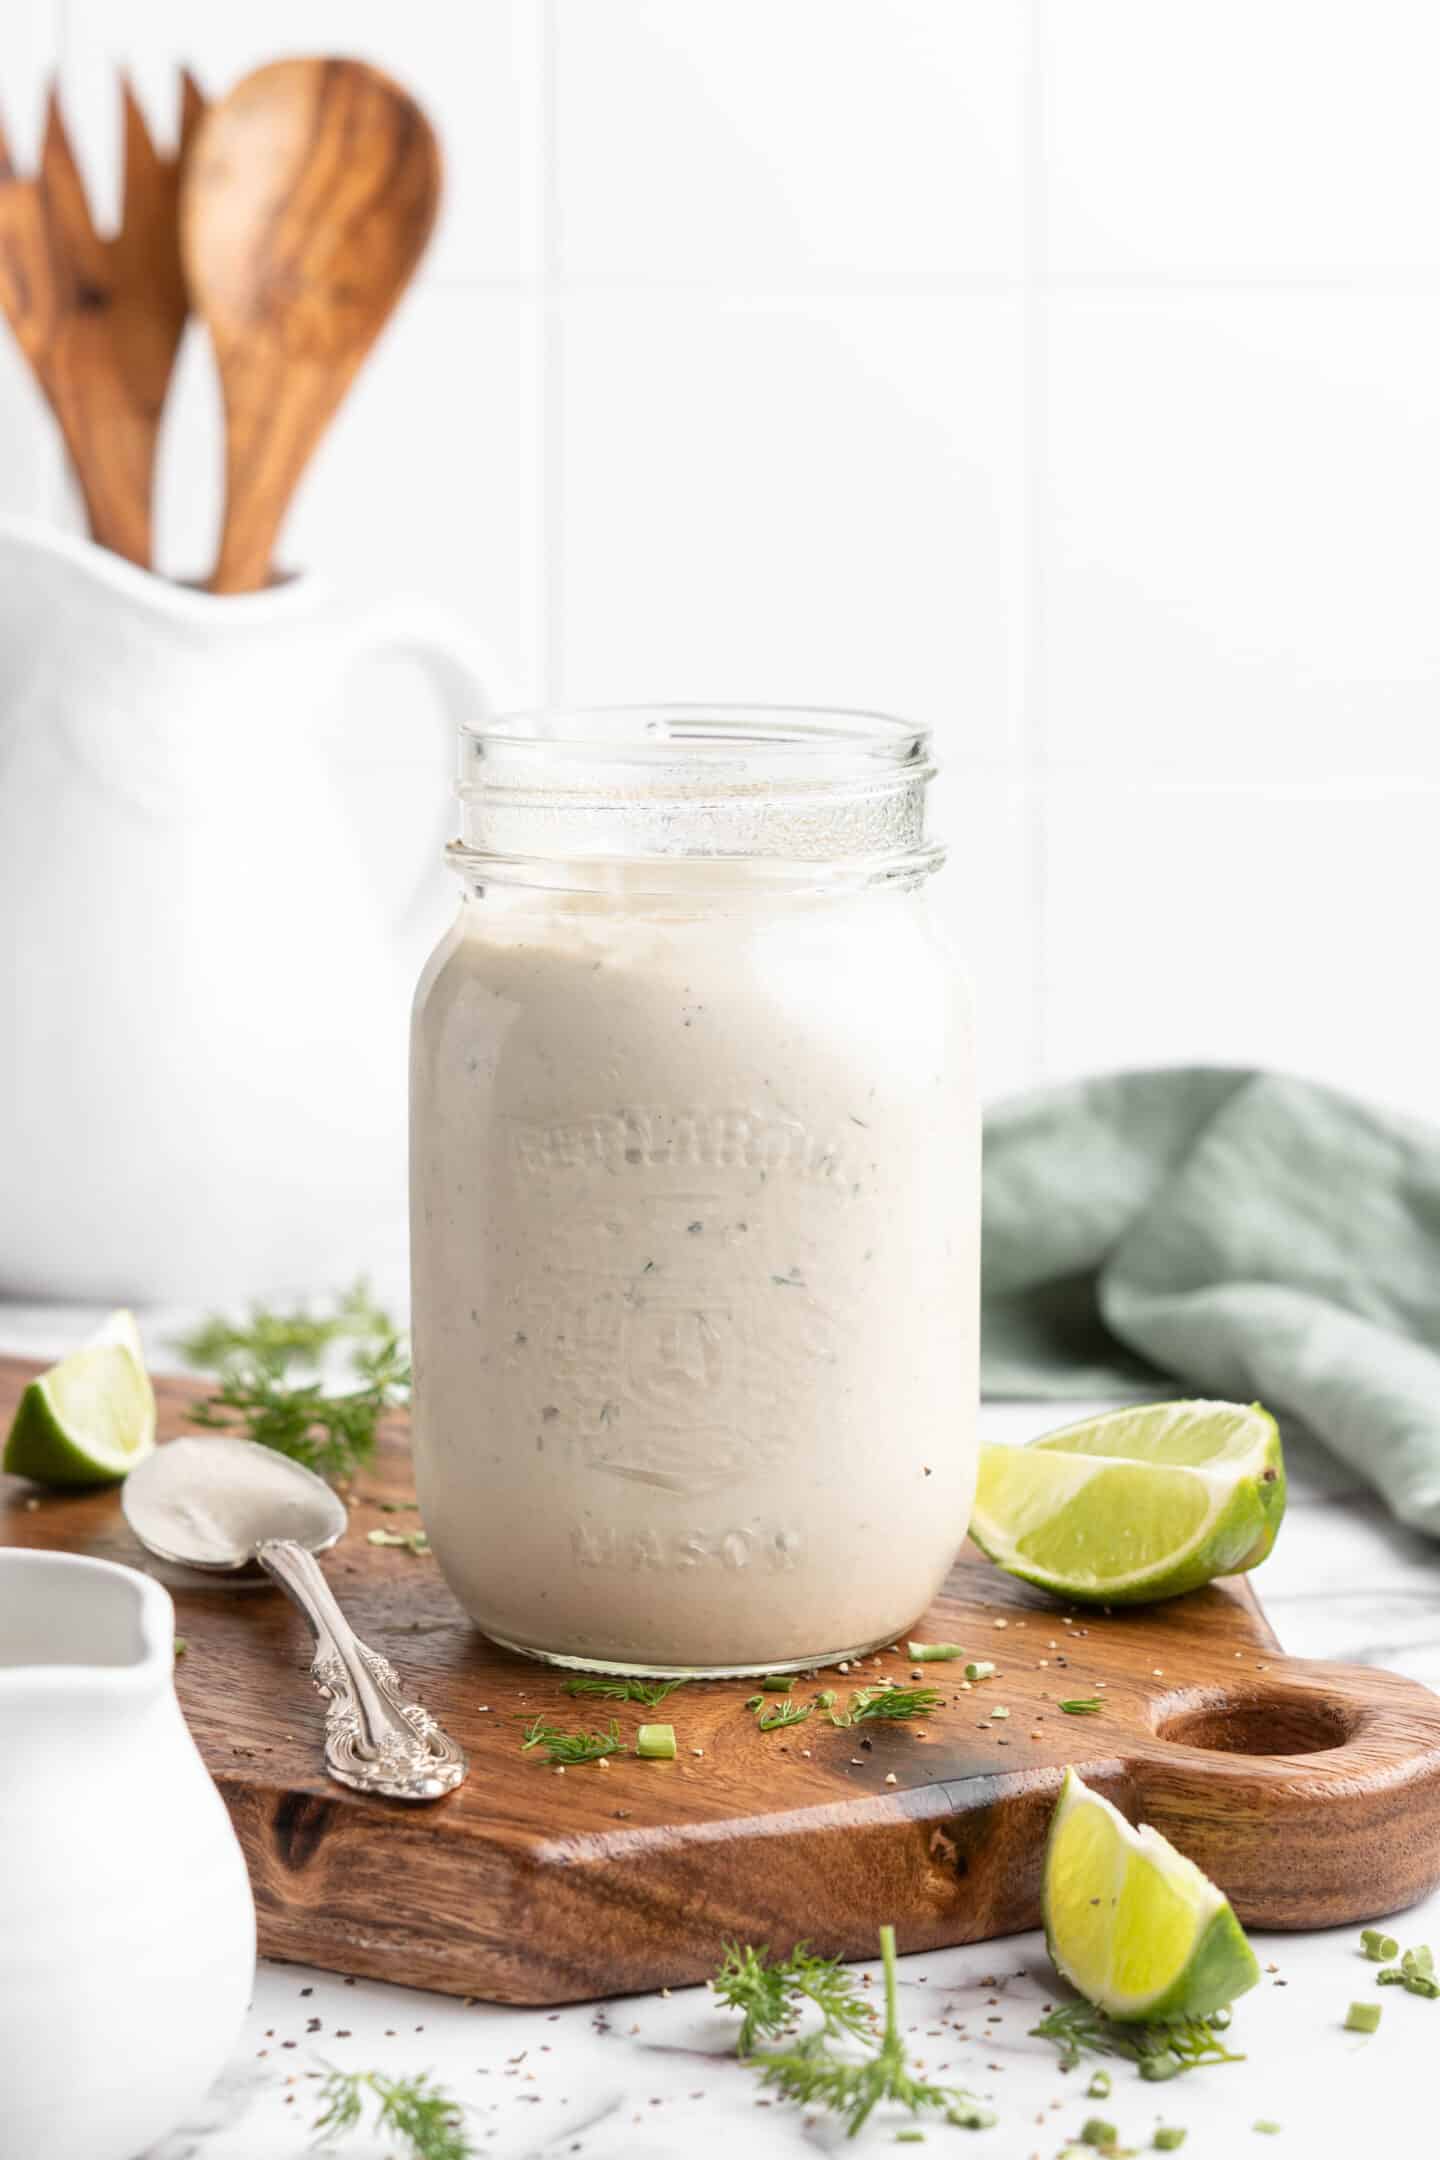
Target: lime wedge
(1132, 1923)
(1137, 1505)
(91, 1418)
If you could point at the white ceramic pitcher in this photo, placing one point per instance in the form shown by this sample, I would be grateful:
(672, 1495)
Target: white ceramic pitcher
(207, 962)
(127, 1948)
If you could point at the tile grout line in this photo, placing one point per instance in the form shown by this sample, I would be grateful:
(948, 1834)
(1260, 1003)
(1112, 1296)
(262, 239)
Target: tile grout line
(551, 655)
(1035, 455)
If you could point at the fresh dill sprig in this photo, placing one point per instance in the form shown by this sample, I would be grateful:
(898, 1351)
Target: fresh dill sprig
(571, 1748)
(415, 2109)
(772, 1992)
(1159, 2051)
(648, 1693)
(330, 1432)
(784, 1713)
(886, 1702)
(812, 2075)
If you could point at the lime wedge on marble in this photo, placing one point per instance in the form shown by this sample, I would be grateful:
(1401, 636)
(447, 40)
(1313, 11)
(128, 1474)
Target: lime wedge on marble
(1132, 1923)
(1137, 1505)
(91, 1418)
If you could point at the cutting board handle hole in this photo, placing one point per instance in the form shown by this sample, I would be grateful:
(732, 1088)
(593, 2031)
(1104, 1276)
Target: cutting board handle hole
(1272, 1724)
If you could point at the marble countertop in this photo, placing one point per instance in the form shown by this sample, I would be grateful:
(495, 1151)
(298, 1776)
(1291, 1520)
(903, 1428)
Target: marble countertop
(654, 2077)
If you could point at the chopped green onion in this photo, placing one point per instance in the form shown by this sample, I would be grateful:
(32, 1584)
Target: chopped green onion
(777, 1683)
(753, 1702)
(1097, 2132)
(1266, 2127)
(1219, 2020)
(181, 1646)
(979, 1669)
(1082, 1706)
(1363, 2017)
(1392, 1976)
(1168, 2138)
(1381, 1949)
(655, 1743)
(1418, 1960)
(999, 1711)
(1423, 1984)
(909, 2137)
(1099, 2086)
(1159, 2069)
(934, 1653)
(826, 1699)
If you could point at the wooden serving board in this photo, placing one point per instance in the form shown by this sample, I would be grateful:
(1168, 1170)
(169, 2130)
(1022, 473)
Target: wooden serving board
(1310, 1792)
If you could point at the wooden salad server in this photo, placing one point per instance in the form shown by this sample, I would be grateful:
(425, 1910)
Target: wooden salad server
(100, 320)
(306, 207)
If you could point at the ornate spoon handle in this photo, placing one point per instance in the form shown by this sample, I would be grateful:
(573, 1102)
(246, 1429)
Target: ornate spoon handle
(375, 1741)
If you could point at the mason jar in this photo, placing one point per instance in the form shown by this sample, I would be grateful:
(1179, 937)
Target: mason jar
(695, 1193)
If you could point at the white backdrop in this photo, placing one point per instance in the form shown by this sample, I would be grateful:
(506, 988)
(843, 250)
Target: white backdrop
(1067, 375)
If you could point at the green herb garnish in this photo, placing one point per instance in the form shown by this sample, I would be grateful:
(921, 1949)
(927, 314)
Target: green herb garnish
(1101, 2133)
(754, 1702)
(980, 1669)
(1266, 2127)
(421, 2113)
(1363, 2017)
(809, 2072)
(933, 1653)
(571, 1748)
(330, 1432)
(655, 1743)
(1081, 1706)
(414, 1541)
(648, 1693)
(1099, 2086)
(785, 1713)
(772, 1992)
(1381, 1949)
(776, 1683)
(1159, 2051)
(894, 1703)
(1168, 2138)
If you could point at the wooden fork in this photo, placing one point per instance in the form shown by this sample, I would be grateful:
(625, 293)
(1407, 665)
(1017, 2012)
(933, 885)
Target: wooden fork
(99, 320)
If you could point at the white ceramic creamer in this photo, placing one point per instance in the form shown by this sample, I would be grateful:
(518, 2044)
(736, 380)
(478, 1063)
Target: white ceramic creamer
(127, 1943)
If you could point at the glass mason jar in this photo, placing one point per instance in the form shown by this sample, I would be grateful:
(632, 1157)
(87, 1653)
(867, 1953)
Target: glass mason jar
(695, 1194)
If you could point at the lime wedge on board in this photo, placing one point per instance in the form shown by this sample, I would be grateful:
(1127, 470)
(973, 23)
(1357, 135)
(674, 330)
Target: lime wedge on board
(91, 1418)
(1137, 1505)
(1132, 1923)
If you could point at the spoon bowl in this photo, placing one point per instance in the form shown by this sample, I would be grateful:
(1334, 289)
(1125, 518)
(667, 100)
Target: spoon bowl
(308, 199)
(209, 1501)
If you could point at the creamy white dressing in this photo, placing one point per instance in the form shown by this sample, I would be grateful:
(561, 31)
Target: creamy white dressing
(695, 1248)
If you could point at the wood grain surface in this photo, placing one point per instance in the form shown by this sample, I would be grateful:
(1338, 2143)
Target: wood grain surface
(1310, 1792)
(307, 205)
(100, 319)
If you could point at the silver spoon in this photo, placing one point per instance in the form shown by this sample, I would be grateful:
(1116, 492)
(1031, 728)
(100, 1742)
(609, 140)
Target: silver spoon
(222, 1504)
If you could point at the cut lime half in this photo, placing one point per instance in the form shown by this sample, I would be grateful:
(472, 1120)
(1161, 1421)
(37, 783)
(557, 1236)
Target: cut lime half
(1137, 1505)
(91, 1418)
(1132, 1923)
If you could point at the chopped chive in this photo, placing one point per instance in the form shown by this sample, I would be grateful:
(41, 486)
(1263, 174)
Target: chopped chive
(1097, 2132)
(934, 1653)
(999, 1711)
(826, 1699)
(1363, 2017)
(1266, 2128)
(1159, 2069)
(1219, 2020)
(1422, 1984)
(1081, 1706)
(181, 1646)
(655, 1743)
(753, 1702)
(1168, 2138)
(1392, 1976)
(777, 1683)
(1099, 2086)
(909, 2137)
(1381, 1949)
(1418, 1960)
(979, 1669)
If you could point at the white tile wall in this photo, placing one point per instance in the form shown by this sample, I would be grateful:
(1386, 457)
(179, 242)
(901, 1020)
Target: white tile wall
(1067, 375)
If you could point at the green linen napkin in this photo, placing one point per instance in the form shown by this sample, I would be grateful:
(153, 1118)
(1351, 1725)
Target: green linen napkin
(1241, 1234)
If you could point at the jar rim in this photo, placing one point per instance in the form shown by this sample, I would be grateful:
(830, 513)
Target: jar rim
(703, 730)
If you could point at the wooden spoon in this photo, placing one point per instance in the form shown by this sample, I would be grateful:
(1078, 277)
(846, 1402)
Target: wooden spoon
(100, 320)
(307, 203)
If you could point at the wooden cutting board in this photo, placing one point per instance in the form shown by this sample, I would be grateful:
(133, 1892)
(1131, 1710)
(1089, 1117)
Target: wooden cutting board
(1310, 1792)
